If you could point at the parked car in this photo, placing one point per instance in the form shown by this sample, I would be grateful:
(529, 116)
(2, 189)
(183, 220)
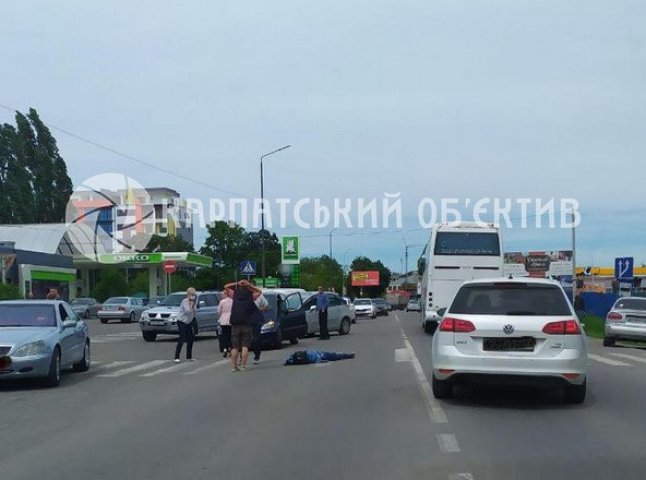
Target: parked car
(351, 307)
(155, 301)
(126, 309)
(162, 319)
(285, 319)
(365, 306)
(338, 315)
(626, 320)
(520, 330)
(86, 307)
(381, 306)
(39, 338)
(413, 306)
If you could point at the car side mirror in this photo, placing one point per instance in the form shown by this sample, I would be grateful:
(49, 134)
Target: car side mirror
(441, 312)
(312, 308)
(201, 303)
(69, 323)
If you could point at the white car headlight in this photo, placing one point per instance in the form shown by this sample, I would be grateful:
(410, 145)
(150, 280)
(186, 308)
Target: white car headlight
(31, 349)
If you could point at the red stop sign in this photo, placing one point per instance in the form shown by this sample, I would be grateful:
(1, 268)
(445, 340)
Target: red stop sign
(170, 266)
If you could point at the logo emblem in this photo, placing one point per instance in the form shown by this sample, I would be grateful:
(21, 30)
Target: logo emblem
(508, 329)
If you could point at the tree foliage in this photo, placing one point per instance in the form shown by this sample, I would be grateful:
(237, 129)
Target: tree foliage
(321, 271)
(230, 244)
(34, 184)
(170, 243)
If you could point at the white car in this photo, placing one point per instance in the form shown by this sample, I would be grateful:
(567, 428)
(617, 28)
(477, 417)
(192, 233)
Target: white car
(520, 331)
(365, 306)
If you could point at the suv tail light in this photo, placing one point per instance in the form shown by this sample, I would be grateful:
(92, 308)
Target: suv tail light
(614, 316)
(450, 324)
(566, 327)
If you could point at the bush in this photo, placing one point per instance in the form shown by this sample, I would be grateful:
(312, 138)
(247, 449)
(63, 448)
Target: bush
(9, 292)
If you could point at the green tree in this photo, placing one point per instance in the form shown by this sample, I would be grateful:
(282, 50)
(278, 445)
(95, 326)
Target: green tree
(9, 292)
(34, 184)
(321, 271)
(112, 283)
(229, 244)
(365, 263)
(169, 243)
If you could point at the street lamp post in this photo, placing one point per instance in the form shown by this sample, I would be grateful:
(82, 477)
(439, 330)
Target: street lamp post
(331, 241)
(262, 210)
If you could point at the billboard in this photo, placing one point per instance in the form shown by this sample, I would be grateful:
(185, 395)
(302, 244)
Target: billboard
(555, 263)
(368, 278)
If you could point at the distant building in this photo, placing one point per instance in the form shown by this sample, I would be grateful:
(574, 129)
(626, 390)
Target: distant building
(120, 214)
(408, 283)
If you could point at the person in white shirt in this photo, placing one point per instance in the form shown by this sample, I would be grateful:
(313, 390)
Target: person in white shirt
(184, 318)
(225, 322)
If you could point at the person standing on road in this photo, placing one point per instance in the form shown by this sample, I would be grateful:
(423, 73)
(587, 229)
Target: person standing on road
(322, 304)
(258, 319)
(225, 322)
(184, 318)
(242, 313)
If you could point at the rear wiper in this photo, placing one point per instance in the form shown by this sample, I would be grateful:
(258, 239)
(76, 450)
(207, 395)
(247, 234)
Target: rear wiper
(520, 312)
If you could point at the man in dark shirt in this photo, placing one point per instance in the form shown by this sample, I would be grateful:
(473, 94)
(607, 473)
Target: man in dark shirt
(322, 304)
(242, 313)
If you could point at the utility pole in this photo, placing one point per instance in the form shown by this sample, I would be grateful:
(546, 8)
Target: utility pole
(573, 256)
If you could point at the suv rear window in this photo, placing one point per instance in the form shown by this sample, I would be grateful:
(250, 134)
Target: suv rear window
(510, 299)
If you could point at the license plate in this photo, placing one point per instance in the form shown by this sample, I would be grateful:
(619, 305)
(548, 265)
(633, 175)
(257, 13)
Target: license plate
(509, 344)
(157, 323)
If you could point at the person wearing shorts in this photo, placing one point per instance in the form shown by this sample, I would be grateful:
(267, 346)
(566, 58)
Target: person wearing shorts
(242, 312)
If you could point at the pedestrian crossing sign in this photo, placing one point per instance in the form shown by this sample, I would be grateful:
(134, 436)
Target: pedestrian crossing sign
(248, 267)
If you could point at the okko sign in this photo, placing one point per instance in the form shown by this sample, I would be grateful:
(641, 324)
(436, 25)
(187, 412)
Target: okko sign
(290, 248)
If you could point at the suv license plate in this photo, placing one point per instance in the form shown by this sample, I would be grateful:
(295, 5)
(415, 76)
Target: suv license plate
(509, 344)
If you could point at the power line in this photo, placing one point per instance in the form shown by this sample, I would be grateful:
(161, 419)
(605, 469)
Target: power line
(132, 158)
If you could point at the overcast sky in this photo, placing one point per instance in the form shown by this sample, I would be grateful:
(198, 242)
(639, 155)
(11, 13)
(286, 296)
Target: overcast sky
(460, 99)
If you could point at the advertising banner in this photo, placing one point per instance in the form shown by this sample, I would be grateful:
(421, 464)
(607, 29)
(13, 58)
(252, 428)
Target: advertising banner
(365, 279)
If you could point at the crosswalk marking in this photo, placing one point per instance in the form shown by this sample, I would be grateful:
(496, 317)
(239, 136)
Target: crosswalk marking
(207, 367)
(608, 361)
(625, 356)
(136, 368)
(172, 368)
(110, 365)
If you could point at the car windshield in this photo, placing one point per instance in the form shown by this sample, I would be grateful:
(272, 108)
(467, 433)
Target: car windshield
(510, 299)
(116, 300)
(271, 312)
(362, 302)
(81, 301)
(173, 300)
(27, 316)
(630, 304)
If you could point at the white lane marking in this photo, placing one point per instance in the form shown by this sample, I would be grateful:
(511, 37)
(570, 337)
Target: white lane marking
(110, 365)
(136, 368)
(448, 443)
(172, 368)
(321, 365)
(435, 412)
(100, 341)
(208, 367)
(634, 358)
(608, 361)
(402, 355)
(461, 476)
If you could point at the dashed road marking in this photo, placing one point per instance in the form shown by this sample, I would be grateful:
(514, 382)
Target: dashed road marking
(110, 365)
(435, 412)
(608, 361)
(461, 476)
(174, 367)
(448, 443)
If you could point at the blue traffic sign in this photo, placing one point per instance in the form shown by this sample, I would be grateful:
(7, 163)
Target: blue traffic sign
(248, 267)
(624, 268)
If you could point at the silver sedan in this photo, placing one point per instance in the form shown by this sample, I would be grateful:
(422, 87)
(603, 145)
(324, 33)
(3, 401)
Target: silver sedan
(626, 320)
(126, 309)
(39, 338)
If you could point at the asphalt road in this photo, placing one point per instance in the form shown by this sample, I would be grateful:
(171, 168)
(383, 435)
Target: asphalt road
(137, 415)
